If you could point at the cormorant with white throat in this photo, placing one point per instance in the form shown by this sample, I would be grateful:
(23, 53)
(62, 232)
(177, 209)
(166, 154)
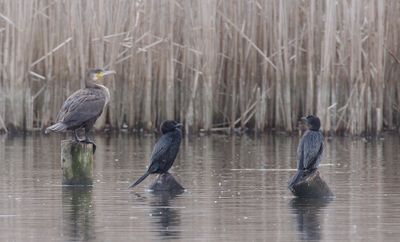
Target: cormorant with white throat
(83, 107)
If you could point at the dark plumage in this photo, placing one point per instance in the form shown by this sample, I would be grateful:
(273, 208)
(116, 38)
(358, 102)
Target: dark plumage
(83, 107)
(164, 151)
(309, 151)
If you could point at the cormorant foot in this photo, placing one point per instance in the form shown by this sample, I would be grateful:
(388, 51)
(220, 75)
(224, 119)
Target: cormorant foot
(88, 141)
(78, 140)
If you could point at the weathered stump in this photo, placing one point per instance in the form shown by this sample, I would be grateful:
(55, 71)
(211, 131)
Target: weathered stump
(76, 163)
(166, 182)
(311, 186)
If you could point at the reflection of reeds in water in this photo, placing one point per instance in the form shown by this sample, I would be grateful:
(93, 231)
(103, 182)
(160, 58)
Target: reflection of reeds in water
(212, 64)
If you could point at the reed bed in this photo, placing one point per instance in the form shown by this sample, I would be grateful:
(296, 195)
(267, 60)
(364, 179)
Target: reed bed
(212, 64)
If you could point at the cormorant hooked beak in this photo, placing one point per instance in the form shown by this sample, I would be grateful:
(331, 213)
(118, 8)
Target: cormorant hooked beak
(178, 125)
(99, 74)
(108, 72)
(305, 121)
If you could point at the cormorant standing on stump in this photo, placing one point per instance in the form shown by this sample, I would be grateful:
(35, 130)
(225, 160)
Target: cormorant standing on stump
(165, 150)
(83, 107)
(309, 151)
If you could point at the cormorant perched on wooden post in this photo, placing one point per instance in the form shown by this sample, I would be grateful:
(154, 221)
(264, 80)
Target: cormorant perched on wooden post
(165, 150)
(83, 107)
(309, 151)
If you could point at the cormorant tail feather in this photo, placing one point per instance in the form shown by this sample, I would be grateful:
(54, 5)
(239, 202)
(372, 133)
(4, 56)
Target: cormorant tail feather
(58, 127)
(139, 180)
(296, 178)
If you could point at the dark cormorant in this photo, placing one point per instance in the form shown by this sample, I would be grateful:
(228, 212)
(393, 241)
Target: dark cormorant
(309, 151)
(164, 151)
(84, 106)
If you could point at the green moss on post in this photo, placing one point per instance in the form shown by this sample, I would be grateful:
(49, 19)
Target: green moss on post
(76, 163)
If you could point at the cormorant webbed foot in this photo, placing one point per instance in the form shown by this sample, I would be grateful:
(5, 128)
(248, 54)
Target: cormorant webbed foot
(77, 137)
(88, 141)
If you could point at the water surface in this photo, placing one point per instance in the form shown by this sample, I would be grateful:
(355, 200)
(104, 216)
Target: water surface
(236, 191)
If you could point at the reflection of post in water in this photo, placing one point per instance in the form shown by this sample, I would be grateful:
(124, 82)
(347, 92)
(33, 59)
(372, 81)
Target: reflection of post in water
(308, 217)
(78, 214)
(167, 217)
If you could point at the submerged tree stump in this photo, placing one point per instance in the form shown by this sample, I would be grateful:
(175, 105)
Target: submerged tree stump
(76, 163)
(166, 182)
(311, 186)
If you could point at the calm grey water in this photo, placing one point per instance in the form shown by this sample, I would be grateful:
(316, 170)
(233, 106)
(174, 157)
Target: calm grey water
(236, 191)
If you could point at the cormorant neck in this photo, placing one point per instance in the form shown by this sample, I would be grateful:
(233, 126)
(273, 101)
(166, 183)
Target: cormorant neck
(106, 92)
(314, 129)
(89, 83)
(173, 131)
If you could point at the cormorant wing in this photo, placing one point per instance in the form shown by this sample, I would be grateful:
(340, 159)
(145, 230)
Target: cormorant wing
(160, 150)
(312, 149)
(81, 106)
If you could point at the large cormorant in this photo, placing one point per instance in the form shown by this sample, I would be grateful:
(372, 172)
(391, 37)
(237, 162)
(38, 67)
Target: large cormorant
(84, 106)
(164, 151)
(309, 151)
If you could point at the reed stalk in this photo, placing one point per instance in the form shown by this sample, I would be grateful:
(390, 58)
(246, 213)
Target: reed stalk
(214, 65)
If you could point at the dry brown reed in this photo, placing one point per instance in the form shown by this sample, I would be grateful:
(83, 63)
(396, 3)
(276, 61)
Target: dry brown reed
(213, 64)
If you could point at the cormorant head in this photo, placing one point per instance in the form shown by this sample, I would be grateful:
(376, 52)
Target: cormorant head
(169, 125)
(312, 122)
(97, 74)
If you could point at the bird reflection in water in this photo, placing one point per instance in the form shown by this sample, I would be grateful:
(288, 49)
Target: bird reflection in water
(308, 217)
(165, 214)
(78, 213)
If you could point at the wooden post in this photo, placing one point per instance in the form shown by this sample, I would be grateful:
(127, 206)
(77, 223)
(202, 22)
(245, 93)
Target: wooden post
(311, 186)
(76, 163)
(166, 182)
